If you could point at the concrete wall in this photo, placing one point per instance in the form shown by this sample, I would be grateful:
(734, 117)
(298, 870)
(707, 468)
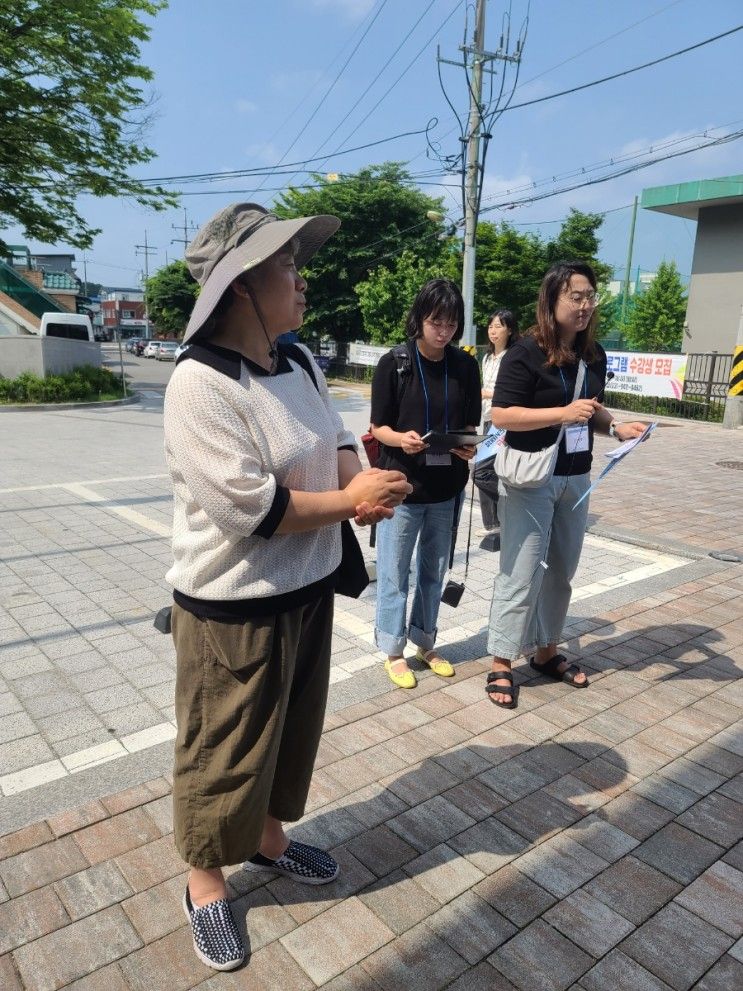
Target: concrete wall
(716, 287)
(45, 355)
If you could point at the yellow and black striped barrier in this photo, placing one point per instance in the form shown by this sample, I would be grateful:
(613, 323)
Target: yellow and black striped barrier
(736, 373)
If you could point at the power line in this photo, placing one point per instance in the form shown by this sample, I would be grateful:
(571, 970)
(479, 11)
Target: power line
(625, 72)
(597, 44)
(402, 74)
(269, 170)
(614, 160)
(725, 138)
(330, 88)
(374, 80)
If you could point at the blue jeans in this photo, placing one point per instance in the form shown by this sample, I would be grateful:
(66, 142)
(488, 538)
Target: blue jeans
(430, 524)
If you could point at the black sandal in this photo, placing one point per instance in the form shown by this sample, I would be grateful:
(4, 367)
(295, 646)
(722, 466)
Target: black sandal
(551, 669)
(492, 689)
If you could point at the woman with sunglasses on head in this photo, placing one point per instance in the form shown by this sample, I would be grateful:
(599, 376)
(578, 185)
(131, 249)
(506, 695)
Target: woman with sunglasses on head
(551, 378)
(503, 331)
(263, 473)
(439, 390)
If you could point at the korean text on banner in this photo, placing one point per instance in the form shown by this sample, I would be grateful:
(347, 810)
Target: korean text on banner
(647, 374)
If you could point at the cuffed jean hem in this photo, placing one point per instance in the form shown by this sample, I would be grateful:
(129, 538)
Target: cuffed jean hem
(389, 644)
(425, 641)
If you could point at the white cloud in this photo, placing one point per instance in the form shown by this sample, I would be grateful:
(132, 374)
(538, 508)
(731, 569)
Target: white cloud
(245, 106)
(354, 10)
(263, 152)
(295, 81)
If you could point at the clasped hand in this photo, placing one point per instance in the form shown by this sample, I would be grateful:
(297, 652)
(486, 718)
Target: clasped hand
(374, 493)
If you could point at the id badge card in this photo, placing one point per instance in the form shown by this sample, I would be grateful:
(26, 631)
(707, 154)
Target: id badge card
(433, 460)
(576, 439)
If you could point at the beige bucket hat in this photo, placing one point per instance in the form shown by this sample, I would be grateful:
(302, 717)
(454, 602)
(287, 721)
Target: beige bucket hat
(237, 239)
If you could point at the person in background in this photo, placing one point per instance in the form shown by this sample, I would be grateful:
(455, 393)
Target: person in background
(502, 332)
(441, 391)
(541, 531)
(263, 474)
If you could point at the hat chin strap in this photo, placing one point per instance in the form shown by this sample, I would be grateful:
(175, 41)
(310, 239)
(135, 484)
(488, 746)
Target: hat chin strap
(273, 354)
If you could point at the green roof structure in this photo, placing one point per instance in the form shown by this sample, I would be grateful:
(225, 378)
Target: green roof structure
(59, 280)
(686, 199)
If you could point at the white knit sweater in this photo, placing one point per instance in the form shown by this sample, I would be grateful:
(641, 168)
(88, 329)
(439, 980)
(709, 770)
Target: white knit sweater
(229, 444)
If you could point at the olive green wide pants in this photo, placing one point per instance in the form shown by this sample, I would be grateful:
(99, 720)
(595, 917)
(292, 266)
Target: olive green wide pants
(250, 704)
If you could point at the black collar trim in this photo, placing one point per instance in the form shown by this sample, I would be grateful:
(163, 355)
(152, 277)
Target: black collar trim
(230, 362)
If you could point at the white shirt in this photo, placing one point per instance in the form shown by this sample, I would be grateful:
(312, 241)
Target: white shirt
(490, 365)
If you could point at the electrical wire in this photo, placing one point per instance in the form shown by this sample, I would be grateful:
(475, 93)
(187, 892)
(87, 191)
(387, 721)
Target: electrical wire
(724, 139)
(626, 72)
(402, 74)
(333, 84)
(374, 80)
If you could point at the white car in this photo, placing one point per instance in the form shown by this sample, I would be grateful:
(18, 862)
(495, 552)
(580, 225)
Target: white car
(167, 351)
(152, 349)
(180, 349)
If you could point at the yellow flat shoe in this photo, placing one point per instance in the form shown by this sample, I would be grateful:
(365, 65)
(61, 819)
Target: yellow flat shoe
(437, 664)
(406, 679)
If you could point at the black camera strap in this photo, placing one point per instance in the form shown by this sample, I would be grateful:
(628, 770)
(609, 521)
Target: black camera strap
(455, 529)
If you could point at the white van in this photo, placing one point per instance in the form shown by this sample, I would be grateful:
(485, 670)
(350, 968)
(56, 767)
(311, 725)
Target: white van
(73, 326)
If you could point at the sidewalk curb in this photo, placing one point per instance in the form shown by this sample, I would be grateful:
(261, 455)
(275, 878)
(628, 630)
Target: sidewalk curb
(663, 546)
(29, 407)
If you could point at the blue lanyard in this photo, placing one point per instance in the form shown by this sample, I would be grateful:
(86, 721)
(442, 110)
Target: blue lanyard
(425, 390)
(584, 390)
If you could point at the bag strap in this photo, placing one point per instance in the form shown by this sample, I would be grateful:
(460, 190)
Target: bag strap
(297, 354)
(455, 530)
(579, 379)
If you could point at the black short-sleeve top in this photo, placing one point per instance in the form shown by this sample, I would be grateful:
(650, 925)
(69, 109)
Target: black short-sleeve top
(452, 386)
(525, 379)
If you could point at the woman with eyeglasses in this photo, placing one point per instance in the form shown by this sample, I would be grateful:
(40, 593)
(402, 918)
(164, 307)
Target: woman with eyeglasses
(541, 531)
(436, 386)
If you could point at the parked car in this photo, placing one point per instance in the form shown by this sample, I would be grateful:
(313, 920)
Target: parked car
(167, 351)
(131, 344)
(180, 349)
(152, 348)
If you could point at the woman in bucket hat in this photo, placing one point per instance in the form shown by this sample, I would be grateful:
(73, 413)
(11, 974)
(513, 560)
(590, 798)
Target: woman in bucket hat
(263, 472)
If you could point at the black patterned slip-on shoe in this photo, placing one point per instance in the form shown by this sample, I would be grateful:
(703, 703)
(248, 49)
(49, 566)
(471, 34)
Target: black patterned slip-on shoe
(216, 939)
(306, 864)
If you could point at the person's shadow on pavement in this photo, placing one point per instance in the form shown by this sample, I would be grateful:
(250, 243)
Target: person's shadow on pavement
(430, 844)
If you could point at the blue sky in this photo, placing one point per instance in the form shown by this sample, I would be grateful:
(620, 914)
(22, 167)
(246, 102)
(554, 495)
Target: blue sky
(235, 81)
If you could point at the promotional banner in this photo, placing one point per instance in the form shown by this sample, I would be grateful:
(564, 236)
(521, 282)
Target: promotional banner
(365, 354)
(647, 374)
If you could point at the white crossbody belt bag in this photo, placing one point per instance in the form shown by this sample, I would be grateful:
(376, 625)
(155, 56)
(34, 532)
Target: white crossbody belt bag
(530, 469)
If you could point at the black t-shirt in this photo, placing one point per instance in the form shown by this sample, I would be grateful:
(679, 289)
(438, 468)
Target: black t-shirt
(525, 379)
(431, 483)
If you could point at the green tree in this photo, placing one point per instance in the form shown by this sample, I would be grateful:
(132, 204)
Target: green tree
(385, 297)
(72, 112)
(657, 319)
(510, 267)
(382, 215)
(578, 241)
(171, 293)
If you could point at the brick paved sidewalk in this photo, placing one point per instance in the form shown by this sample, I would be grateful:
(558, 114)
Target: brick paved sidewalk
(672, 490)
(590, 839)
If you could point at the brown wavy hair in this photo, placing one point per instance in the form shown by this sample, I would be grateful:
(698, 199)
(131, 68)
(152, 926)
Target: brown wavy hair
(544, 331)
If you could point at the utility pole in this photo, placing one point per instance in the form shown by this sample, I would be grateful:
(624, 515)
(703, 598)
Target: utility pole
(630, 246)
(475, 60)
(187, 230)
(146, 250)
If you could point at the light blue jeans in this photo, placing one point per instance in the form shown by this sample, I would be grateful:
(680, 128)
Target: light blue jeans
(429, 524)
(538, 527)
